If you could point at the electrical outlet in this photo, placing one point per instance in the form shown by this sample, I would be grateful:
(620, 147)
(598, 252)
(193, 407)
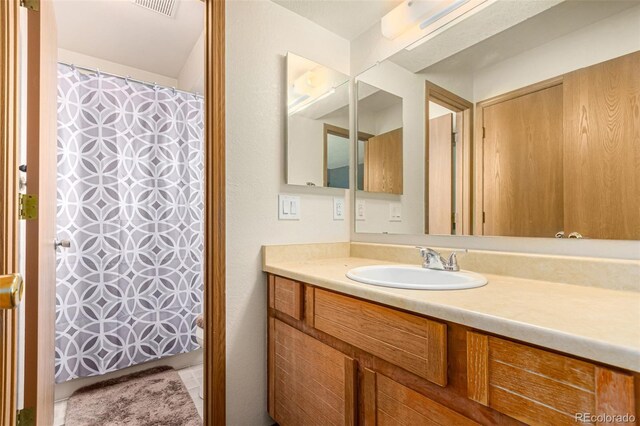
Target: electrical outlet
(338, 208)
(361, 208)
(288, 207)
(395, 212)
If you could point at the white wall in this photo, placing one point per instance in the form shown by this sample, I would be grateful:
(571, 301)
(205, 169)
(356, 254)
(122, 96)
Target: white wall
(83, 60)
(609, 38)
(191, 77)
(259, 33)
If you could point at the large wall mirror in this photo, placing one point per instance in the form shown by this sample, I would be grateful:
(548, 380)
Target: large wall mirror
(318, 138)
(530, 131)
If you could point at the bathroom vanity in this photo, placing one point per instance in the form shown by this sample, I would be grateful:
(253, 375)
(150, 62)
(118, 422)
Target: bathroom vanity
(342, 352)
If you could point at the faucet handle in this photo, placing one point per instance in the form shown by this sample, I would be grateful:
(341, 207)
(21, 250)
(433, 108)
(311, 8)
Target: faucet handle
(453, 259)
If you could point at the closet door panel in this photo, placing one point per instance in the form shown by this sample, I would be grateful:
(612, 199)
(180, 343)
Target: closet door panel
(602, 149)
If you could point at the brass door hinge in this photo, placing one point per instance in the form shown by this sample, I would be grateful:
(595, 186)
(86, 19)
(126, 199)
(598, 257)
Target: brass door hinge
(484, 217)
(484, 132)
(26, 417)
(31, 4)
(28, 207)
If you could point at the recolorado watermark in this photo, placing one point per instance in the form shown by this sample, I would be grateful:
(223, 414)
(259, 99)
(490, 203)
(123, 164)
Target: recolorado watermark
(604, 418)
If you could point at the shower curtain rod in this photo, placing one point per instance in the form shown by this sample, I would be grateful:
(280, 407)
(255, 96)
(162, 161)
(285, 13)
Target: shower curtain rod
(127, 78)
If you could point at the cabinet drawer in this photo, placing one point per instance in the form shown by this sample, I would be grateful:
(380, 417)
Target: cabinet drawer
(310, 383)
(541, 387)
(410, 342)
(387, 402)
(286, 296)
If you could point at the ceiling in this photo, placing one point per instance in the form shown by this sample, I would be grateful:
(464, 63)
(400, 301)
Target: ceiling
(346, 18)
(122, 32)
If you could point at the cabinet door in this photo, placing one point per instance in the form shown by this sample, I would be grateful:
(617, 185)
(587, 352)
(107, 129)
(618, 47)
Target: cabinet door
(602, 149)
(387, 402)
(310, 383)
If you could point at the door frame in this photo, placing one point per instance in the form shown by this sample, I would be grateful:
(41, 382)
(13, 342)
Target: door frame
(9, 139)
(215, 215)
(464, 114)
(214, 176)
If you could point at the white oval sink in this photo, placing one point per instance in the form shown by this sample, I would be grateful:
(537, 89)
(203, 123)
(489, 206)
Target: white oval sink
(415, 277)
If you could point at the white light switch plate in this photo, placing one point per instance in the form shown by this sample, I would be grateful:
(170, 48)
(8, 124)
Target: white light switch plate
(288, 207)
(338, 208)
(395, 212)
(361, 210)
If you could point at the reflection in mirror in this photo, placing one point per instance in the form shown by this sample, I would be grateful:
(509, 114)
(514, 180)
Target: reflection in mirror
(379, 140)
(526, 130)
(317, 124)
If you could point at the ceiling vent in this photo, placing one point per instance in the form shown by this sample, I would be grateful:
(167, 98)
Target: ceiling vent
(163, 7)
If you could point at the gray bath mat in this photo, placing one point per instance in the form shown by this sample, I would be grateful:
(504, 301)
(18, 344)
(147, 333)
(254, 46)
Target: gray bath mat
(152, 397)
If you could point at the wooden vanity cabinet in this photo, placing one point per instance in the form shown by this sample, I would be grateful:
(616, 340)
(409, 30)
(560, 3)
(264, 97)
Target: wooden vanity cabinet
(334, 359)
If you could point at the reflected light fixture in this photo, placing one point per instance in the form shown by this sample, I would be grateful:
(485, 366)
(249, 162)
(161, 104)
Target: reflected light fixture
(313, 101)
(410, 12)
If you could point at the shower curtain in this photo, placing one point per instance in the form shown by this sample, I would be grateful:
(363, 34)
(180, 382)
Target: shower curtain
(130, 183)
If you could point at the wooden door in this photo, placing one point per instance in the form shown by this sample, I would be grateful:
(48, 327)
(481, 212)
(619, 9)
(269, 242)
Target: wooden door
(440, 175)
(383, 163)
(522, 174)
(40, 232)
(602, 149)
(9, 20)
(309, 382)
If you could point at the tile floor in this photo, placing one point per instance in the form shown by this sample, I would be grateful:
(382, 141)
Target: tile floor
(191, 377)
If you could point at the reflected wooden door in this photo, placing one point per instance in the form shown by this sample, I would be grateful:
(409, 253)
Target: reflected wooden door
(523, 169)
(602, 149)
(440, 175)
(383, 163)
(40, 259)
(9, 20)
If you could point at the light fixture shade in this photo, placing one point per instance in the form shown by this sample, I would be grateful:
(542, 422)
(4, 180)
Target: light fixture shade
(407, 14)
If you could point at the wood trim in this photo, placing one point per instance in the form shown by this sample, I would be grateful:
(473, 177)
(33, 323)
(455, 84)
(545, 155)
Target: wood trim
(309, 305)
(478, 367)
(455, 103)
(369, 399)
(271, 366)
(9, 86)
(477, 173)
(614, 393)
(40, 264)
(215, 214)
(350, 393)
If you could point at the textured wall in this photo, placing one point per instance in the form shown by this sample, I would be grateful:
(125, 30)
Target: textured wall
(259, 33)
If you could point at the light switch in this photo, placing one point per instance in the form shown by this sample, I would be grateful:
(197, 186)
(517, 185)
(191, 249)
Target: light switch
(288, 207)
(360, 210)
(395, 212)
(338, 208)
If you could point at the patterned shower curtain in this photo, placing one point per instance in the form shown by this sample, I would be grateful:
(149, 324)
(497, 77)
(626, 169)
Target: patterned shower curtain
(130, 183)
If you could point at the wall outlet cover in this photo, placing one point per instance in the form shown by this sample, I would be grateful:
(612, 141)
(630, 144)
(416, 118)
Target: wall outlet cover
(395, 212)
(288, 207)
(361, 210)
(338, 208)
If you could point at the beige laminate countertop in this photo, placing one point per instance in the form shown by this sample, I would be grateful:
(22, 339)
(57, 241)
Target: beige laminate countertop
(594, 323)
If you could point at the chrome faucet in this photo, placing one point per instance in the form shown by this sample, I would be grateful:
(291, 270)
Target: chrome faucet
(433, 260)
